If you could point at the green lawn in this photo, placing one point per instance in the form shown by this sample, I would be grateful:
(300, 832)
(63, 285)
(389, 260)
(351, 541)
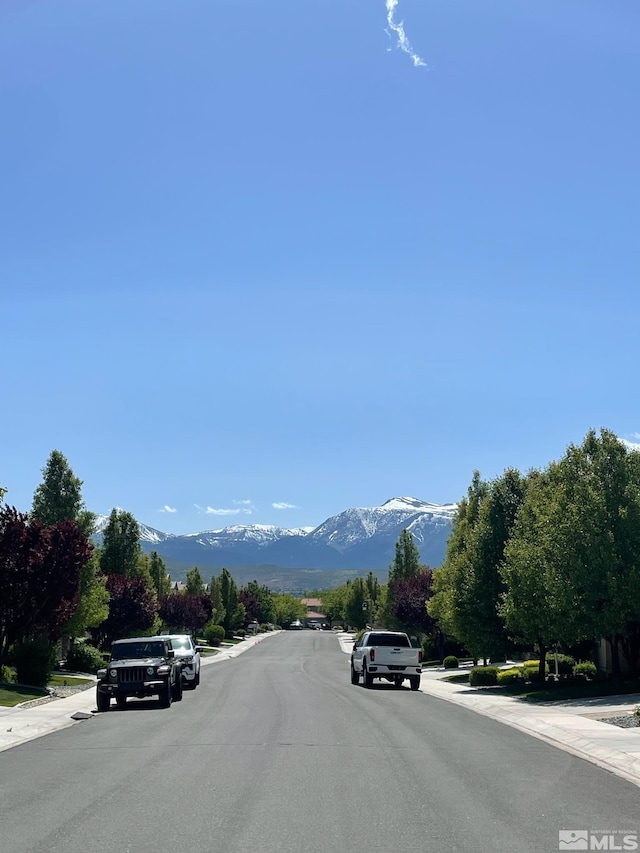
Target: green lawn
(67, 681)
(12, 694)
(15, 694)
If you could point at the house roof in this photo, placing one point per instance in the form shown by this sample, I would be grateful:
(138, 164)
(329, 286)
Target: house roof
(311, 602)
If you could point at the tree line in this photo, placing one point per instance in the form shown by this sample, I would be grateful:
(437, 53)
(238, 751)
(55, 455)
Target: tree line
(549, 559)
(56, 584)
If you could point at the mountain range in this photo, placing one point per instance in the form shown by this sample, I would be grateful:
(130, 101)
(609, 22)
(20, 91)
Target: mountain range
(354, 541)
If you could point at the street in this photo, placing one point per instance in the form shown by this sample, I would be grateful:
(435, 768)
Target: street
(277, 751)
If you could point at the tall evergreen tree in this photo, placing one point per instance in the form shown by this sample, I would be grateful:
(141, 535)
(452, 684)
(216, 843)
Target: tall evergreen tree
(159, 575)
(121, 551)
(195, 582)
(480, 598)
(234, 612)
(59, 496)
(406, 563)
(215, 594)
(450, 603)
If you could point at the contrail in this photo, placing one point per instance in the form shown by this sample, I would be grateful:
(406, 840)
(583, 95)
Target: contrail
(398, 28)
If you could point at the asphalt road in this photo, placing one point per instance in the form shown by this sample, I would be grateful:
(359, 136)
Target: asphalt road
(277, 751)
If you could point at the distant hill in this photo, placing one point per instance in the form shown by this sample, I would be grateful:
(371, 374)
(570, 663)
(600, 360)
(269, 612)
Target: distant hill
(346, 545)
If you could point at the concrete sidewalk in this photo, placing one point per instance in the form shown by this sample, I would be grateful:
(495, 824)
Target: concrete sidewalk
(19, 725)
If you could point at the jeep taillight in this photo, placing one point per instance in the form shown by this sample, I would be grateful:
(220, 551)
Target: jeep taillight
(372, 654)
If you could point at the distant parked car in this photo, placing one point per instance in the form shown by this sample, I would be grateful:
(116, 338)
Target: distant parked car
(189, 656)
(296, 626)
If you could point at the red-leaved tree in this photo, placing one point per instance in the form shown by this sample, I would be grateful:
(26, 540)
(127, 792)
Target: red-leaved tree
(181, 612)
(40, 571)
(132, 609)
(409, 601)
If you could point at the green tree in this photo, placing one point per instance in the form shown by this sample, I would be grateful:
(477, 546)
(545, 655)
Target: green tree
(483, 631)
(121, 552)
(159, 575)
(195, 582)
(215, 593)
(334, 603)
(577, 548)
(532, 611)
(59, 496)
(234, 611)
(357, 607)
(406, 563)
(93, 602)
(450, 604)
(287, 609)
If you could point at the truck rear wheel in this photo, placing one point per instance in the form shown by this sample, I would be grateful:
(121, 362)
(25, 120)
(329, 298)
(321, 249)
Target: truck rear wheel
(355, 677)
(367, 679)
(414, 681)
(398, 680)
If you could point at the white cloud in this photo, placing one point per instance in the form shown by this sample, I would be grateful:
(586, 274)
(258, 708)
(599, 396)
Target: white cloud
(167, 508)
(224, 511)
(243, 503)
(632, 445)
(401, 37)
(282, 505)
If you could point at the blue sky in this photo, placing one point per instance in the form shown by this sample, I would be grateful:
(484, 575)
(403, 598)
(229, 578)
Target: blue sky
(258, 265)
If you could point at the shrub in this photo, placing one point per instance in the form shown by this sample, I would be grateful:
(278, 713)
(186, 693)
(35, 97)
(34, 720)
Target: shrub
(510, 676)
(213, 633)
(450, 662)
(531, 671)
(34, 660)
(565, 664)
(84, 657)
(586, 670)
(6, 674)
(483, 676)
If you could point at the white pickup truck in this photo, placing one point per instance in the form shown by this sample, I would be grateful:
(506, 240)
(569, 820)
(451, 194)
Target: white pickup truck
(386, 654)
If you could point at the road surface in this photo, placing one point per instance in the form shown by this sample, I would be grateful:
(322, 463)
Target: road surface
(276, 752)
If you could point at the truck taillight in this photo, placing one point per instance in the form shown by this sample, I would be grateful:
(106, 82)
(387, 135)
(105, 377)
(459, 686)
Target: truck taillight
(372, 654)
(420, 656)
